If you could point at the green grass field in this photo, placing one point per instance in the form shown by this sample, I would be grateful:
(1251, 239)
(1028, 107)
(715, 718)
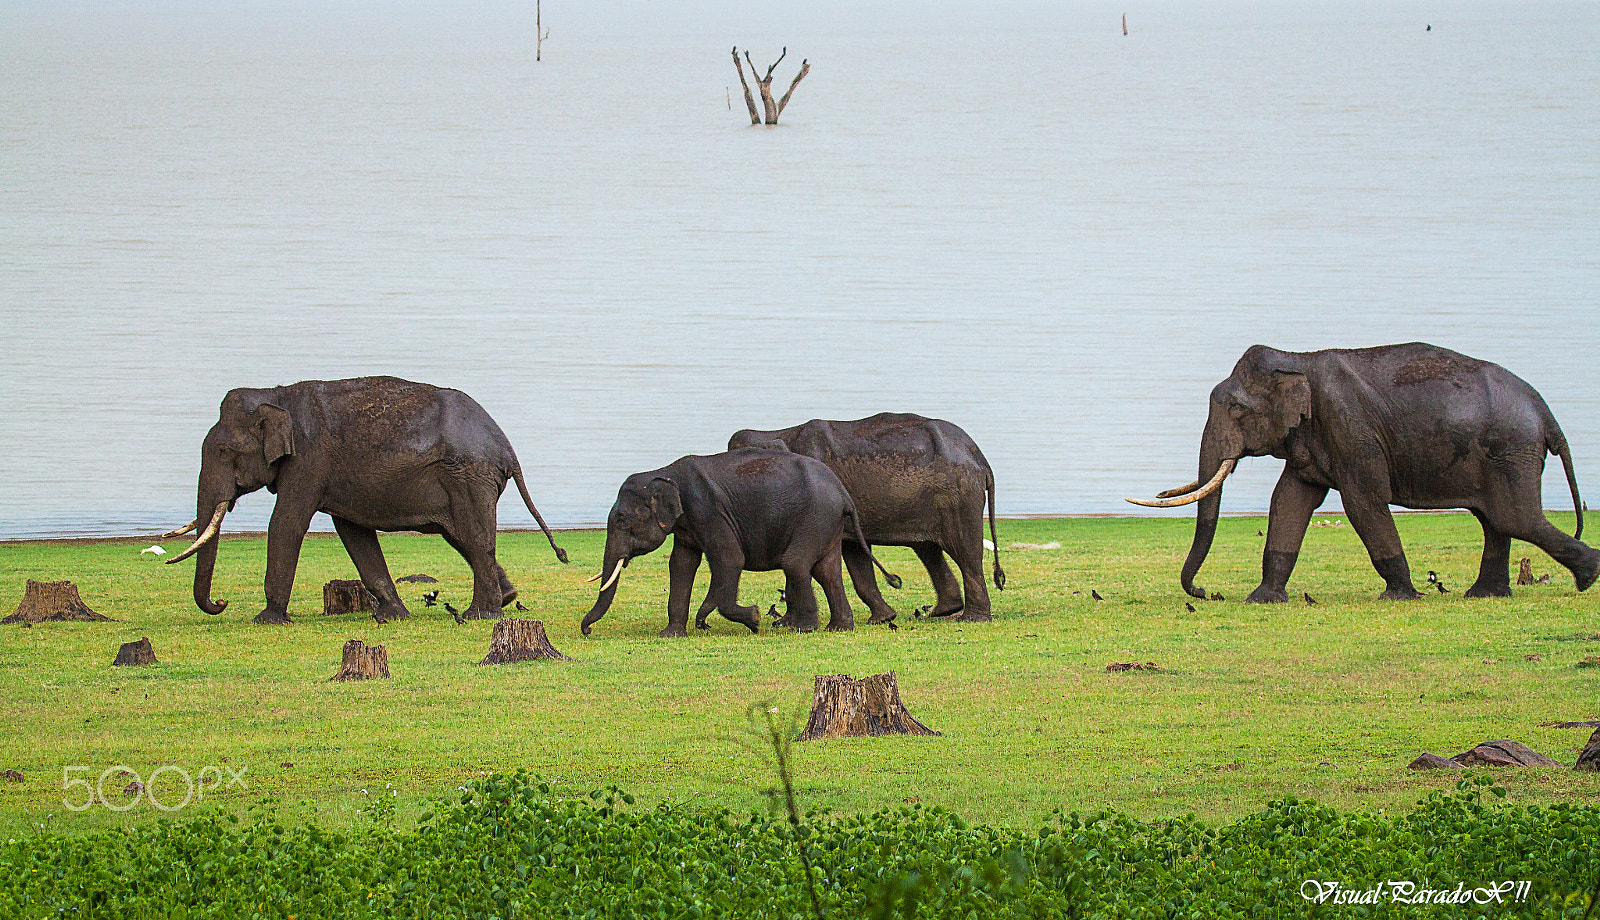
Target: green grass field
(1251, 703)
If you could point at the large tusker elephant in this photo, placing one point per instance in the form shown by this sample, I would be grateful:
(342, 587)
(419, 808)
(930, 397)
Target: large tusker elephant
(744, 510)
(374, 453)
(918, 482)
(1413, 425)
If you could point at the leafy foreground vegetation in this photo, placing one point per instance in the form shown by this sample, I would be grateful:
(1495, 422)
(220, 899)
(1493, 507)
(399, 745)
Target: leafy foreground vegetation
(510, 846)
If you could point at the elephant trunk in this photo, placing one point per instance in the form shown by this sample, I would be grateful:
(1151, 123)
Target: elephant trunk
(1205, 522)
(210, 509)
(611, 571)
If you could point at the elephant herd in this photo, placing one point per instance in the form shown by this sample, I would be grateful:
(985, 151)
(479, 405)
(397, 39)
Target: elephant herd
(1412, 425)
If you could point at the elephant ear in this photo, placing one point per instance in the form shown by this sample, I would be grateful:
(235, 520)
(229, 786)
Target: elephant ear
(276, 430)
(665, 503)
(1291, 399)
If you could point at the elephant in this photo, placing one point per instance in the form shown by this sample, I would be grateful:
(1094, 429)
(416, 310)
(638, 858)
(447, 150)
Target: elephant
(1412, 425)
(374, 453)
(743, 510)
(918, 482)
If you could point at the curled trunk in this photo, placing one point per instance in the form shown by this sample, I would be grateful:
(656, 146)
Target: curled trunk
(1205, 521)
(608, 592)
(205, 557)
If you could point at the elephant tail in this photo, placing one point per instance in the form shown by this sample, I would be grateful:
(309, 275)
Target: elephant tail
(1557, 444)
(516, 473)
(855, 524)
(994, 537)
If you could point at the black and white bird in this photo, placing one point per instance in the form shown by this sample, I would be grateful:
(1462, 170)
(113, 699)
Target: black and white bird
(1095, 594)
(1309, 598)
(431, 598)
(520, 607)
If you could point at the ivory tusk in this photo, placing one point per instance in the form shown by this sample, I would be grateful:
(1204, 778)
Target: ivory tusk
(1192, 497)
(180, 531)
(1181, 490)
(616, 573)
(596, 576)
(210, 532)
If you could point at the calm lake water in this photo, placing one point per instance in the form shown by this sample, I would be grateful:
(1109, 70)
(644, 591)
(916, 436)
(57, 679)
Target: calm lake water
(1007, 215)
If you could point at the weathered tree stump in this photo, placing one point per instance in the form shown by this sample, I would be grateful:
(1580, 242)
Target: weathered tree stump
(1525, 571)
(842, 707)
(1589, 760)
(133, 653)
(1504, 753)
(363, 662)
(773, 108)
(52, 601)
(346, 595)
(520, 640)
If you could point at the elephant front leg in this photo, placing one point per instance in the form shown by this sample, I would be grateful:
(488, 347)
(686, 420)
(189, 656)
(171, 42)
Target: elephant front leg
(1293, 502)
(1373, 522)
(285, 534)
(362, 545)
(723, 596)
(681, 568)
(865, 580)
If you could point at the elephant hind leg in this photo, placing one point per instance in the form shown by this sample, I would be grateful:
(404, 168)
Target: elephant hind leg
(1494, 571)
(946, 588)
(478, 550)
(829, 574)
(1582, 560)
(800, 612)
(865, 580)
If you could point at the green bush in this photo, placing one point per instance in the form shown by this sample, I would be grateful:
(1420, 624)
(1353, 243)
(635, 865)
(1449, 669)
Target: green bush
(511, 846)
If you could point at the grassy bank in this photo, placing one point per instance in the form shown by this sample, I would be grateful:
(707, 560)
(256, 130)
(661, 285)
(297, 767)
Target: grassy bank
(1253, 703)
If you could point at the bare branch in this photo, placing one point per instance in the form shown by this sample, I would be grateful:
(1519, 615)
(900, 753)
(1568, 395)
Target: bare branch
(805, 68)
(749, 101)
(775, 64)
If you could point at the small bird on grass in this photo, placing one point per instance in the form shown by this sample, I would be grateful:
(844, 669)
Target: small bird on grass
(1309, 598)
(772, 612)
(922, 611)
(377, 619)
(520, 607)
(431, 598)
(892, 626)
(1437, 582)
(1189, 606)
(454, 612)
(1095, 594)
(1441, 587)
(1216, 595)
(783, 596)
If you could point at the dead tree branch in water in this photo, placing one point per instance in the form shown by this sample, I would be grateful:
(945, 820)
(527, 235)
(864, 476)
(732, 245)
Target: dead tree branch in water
(773, 108)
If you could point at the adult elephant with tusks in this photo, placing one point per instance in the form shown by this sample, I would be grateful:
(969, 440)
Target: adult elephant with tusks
(744, 510)
(1412, 425)
(917, 482)
(374, 453)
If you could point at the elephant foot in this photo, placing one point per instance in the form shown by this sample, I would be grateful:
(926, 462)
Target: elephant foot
(878, 619)
(270, 617)
(1587, 569)
(701, 624)
(1266, 595)
(974, 616)
(748, 617)
(674, 632)
(841, 624)
(479, 613)
(1402, 593)
(942, 614)
(391, 612)
(787, 622)
(1479, 589)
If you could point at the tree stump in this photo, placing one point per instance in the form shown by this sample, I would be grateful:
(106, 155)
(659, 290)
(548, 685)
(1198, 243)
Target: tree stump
(520, 640)
(1504, 754)
(346, 595)
(842, 707)
(1525, 571)
(1589, 760)
(363, 662)
(52, 601)
(132, 653)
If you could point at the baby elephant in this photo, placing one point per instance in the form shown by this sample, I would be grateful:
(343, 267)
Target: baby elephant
(749, 509)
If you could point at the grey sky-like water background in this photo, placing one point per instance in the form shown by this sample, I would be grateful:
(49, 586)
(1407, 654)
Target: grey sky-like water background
(1008, 215)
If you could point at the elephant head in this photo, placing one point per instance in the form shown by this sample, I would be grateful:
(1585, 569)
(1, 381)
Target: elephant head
(647, 506)
(1252, 414)
(241, 453)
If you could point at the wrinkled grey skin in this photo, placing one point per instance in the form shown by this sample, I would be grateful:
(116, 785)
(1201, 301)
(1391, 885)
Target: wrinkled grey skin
(374, 453)
(743, 510)
(1413, 425)
(917, 482)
